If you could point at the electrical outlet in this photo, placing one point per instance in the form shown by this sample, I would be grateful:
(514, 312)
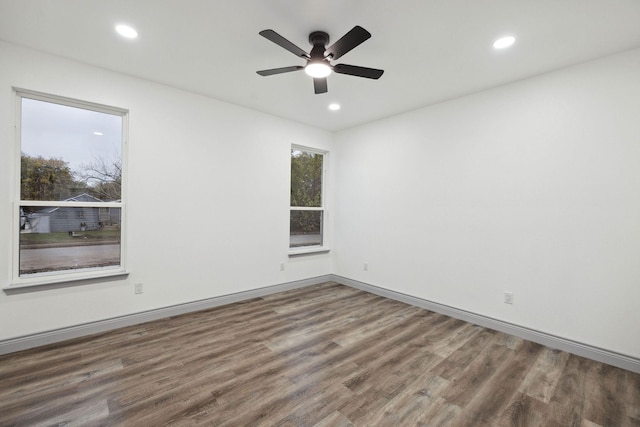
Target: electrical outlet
(282, 266)
(365, 266)
(508, 297)
(138, 288)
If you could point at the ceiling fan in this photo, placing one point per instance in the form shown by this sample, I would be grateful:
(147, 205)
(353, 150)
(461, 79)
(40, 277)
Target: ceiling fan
(318, 60)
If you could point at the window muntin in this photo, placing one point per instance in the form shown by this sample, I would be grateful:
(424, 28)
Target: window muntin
(70, 196)
(306, 219)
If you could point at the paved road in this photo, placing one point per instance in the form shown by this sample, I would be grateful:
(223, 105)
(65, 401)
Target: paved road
(49, 259)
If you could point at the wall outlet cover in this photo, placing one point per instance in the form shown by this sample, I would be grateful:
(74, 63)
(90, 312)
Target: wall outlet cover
(508, 297)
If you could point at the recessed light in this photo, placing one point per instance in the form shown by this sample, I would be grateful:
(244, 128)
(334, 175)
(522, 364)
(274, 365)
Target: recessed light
(334, 107)
(504, 42)
(98, 133)
(126, 31)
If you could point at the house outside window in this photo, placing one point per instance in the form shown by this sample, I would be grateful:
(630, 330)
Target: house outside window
(70, 198)
(104, 217)
(307, 207)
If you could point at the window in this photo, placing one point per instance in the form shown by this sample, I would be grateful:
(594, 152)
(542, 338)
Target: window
(69, 204)
(307, 212)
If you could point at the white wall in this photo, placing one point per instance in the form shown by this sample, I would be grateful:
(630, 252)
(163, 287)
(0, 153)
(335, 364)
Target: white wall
(532, 188)
(208, 196)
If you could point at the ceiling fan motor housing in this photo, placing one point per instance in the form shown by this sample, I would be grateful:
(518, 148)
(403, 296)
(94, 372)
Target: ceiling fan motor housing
(319, 40)
(319, 37)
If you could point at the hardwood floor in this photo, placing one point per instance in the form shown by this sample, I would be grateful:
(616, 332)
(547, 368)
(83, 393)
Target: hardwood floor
(326, 355)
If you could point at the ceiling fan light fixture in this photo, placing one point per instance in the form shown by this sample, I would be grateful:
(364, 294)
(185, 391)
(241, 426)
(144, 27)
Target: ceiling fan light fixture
(317, 69)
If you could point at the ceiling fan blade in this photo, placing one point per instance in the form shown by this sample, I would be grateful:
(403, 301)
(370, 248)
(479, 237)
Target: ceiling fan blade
(320, 85)
(354, 70)
(273, 71)
(353, 38)
(282, 42)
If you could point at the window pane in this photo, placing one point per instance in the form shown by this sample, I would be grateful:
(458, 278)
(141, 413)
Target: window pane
(305, 228)
(68, 151)
(68, 238)
(306, 179)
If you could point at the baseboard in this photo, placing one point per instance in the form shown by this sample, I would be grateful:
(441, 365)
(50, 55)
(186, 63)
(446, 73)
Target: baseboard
(63, 334)
(601, 355)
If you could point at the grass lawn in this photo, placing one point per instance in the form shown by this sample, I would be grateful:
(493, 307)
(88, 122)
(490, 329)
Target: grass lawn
(89, 236)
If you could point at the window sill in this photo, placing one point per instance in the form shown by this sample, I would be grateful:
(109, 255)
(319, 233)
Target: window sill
(309, 250)
(46, 282)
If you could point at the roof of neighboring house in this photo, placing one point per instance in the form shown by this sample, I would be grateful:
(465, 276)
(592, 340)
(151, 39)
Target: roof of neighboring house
(84, 197)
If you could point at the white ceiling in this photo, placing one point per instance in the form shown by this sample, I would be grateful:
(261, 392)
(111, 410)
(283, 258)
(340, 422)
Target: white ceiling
(431, 50)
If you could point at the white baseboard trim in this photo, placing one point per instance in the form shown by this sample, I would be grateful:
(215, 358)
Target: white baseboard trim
(601, 355)
(57, 335)
(53, 336)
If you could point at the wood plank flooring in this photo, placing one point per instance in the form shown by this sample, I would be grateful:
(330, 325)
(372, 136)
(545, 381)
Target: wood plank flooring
(326, 355)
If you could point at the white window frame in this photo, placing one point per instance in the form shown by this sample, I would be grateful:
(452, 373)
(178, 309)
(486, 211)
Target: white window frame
(324, 247)
(48, 278)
